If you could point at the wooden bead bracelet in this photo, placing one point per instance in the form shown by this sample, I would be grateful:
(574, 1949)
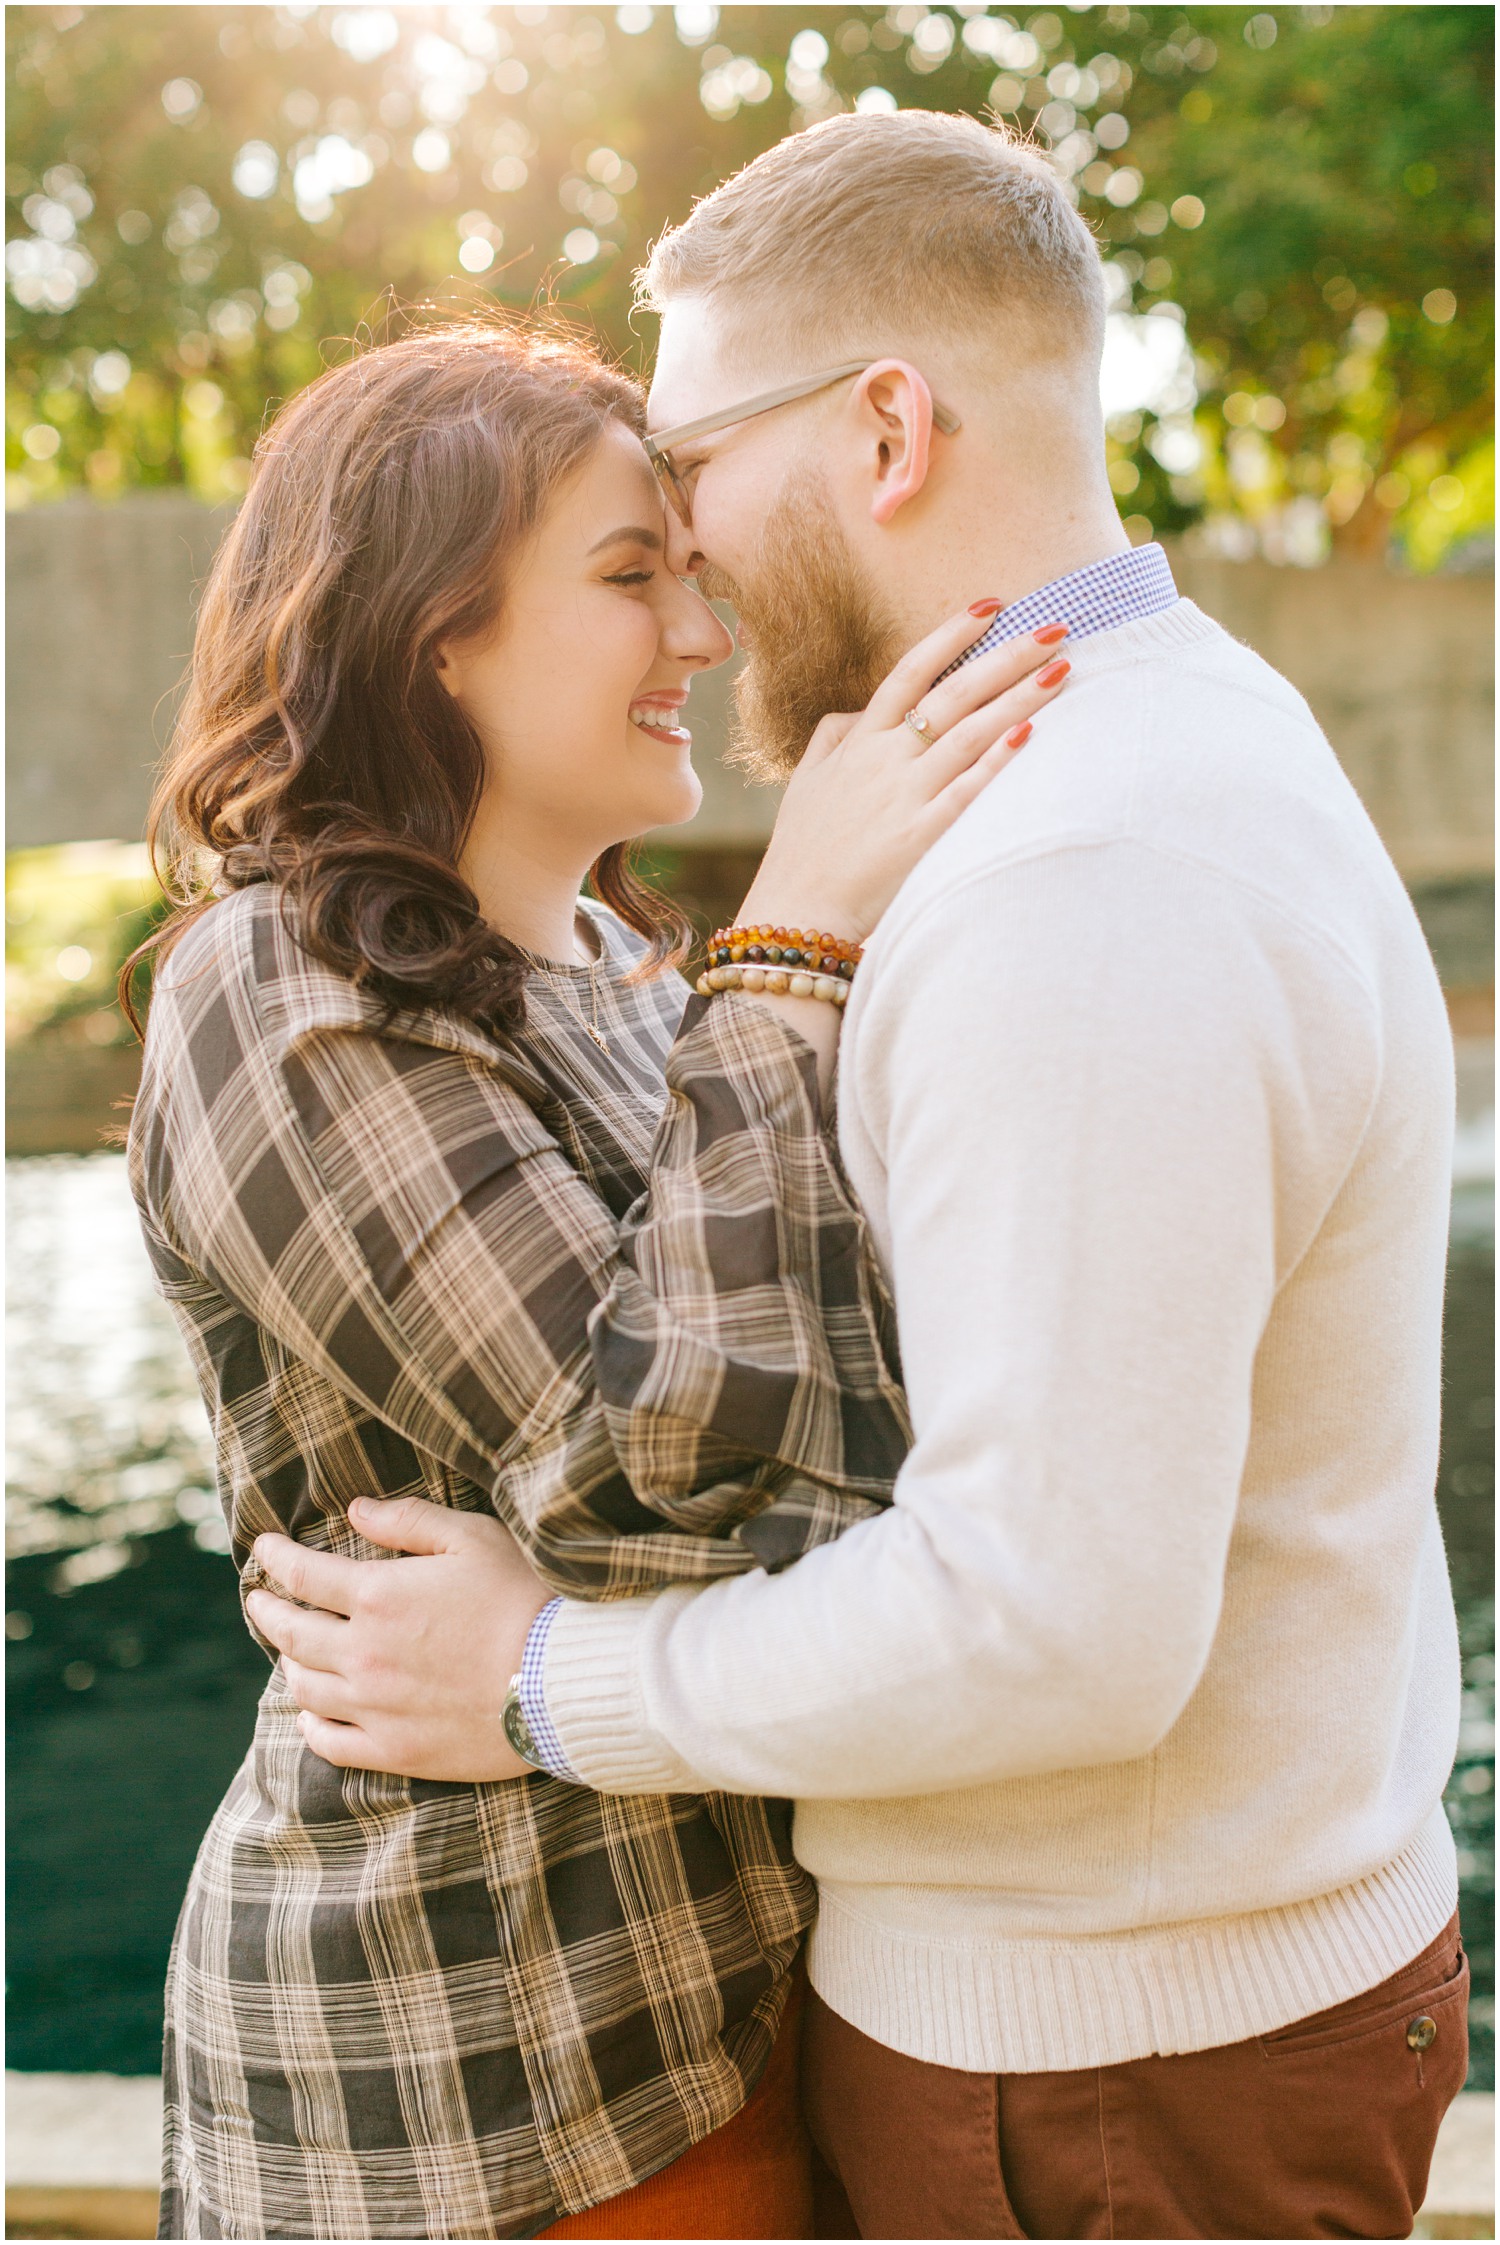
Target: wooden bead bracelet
(776, 981)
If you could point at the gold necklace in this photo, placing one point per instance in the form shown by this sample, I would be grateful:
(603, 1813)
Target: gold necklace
(589, 1028)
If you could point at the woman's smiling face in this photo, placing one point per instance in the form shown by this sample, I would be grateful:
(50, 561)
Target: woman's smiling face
(577, 694)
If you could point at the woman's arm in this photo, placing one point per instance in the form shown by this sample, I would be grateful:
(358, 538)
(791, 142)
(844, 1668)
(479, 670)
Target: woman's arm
(396, 1215)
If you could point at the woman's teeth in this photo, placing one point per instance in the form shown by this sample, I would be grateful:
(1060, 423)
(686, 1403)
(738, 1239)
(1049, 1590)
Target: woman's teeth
(653, 718)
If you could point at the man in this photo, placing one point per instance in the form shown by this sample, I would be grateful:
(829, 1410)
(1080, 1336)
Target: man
(1119, 1742)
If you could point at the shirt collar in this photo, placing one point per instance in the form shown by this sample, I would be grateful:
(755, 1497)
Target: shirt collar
(1120, 589)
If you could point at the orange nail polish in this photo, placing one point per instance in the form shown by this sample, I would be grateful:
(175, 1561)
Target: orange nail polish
(986, 607)
(1050, 634)
(1020, 736)
(1054, 674)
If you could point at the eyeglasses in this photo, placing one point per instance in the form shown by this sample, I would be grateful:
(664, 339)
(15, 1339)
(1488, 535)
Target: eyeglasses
(659, 449)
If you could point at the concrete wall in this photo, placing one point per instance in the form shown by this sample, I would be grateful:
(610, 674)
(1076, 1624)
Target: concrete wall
(1399, 670)
(99, 622)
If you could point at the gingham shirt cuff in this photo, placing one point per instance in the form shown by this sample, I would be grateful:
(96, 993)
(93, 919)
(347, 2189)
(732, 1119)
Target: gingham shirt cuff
(532, 1695)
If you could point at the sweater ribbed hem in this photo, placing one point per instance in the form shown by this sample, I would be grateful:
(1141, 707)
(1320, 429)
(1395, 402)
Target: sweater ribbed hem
(1038, 2006)
(1025, 2005)
(592, 1668)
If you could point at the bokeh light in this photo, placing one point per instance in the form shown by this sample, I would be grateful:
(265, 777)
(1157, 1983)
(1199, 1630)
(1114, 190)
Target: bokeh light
(282, 176)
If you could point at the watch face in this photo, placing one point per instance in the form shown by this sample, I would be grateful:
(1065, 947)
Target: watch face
(518, 1731)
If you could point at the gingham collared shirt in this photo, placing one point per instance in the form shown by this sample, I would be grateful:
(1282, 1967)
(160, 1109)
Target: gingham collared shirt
(623, 1299)
(1098, 597)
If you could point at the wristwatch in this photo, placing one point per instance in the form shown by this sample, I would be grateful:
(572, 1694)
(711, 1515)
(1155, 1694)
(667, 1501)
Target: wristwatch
(516, 1728)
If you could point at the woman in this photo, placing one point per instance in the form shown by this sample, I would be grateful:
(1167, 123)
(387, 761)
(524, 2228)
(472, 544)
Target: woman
(446, 1202)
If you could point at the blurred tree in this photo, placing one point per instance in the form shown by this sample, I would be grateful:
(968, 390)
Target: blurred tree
(201, 197)
(1338, 291)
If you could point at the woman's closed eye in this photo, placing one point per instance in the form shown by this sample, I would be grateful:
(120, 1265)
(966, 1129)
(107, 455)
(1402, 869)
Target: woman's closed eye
(631, 577)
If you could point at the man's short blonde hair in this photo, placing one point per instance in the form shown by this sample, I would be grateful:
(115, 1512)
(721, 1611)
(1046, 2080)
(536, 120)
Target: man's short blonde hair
(868, 226)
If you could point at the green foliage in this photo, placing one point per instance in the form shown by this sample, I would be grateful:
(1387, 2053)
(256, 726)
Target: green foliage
(203, 200)
(73, 915)
(1339, 289)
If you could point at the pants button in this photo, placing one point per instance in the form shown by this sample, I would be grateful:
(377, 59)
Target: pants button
(1421, 2032)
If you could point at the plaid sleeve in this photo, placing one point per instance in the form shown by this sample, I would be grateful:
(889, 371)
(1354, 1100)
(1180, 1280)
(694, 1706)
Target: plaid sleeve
(393, 1212)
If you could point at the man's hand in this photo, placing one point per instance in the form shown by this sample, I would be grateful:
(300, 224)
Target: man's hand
(406, 1666)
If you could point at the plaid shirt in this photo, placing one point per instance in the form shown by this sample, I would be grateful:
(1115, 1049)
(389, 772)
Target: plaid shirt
(626, 1301)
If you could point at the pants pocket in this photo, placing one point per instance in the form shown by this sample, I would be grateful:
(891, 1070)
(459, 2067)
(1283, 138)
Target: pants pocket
(1432, 1988)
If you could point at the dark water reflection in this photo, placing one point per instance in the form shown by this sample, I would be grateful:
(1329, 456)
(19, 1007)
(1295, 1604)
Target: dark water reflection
(132, 1683)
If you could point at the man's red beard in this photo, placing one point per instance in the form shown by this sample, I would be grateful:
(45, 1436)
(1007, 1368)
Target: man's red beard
(819, 642)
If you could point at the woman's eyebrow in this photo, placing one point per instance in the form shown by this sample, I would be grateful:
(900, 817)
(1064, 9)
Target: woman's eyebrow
(633, 534)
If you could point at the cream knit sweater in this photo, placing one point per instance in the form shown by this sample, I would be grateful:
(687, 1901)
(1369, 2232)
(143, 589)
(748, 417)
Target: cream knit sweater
(1126, 1729)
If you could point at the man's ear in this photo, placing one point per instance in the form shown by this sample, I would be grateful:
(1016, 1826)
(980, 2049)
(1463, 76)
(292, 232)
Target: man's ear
(895, 402)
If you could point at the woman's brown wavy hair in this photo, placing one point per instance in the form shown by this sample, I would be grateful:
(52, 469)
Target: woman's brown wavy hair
(315, 747)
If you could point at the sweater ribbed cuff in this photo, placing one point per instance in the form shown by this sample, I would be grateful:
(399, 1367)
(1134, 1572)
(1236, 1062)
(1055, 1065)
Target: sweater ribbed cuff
(594, 1664)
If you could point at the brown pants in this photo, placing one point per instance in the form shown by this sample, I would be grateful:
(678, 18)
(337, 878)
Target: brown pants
(1322, 2129)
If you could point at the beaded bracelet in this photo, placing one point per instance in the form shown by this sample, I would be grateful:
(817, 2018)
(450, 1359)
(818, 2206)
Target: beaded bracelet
(785, 947)
(783, 962)
(777, 982)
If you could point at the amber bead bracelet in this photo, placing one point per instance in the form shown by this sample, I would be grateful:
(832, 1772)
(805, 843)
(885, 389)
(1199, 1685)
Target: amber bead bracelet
(810, 953)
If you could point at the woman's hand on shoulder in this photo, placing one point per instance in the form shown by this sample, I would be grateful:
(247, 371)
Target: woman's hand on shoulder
(874, 791)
